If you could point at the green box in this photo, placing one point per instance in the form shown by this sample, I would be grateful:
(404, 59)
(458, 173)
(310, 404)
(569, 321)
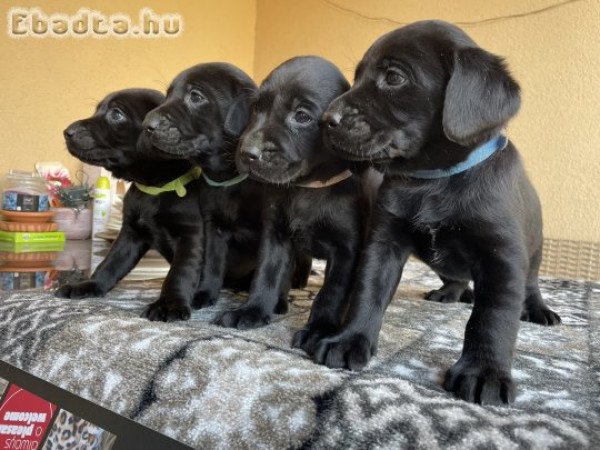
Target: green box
(23, 237)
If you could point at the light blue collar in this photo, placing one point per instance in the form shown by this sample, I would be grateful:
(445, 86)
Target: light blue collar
(480, 154)
(226, 183)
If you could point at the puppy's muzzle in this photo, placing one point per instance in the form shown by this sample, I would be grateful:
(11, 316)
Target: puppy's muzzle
(265, 161)
(73, 130)
(70, 132)
(163, 134)
(261, 155)
(251, 154)
(151, 123)
(78, 137)
(155, 123)
(253, 148)
(332, 119)
(347, 123)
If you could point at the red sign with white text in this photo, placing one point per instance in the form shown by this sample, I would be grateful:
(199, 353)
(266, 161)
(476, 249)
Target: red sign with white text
(24, 418)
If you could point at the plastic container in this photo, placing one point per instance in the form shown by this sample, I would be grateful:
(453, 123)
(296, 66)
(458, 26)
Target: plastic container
(24, 191)
(101, 208)
(75, 223)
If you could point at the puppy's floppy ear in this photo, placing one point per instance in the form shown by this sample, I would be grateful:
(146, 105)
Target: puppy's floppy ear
(481, 96)
(238, 115)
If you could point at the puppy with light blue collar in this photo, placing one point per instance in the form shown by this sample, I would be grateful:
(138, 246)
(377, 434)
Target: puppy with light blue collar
(427, 109)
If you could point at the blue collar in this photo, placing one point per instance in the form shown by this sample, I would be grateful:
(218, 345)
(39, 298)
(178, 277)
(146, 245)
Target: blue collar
(226, 183)
(480, 154)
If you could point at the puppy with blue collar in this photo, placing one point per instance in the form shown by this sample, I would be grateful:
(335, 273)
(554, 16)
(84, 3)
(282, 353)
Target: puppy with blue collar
(427, 109)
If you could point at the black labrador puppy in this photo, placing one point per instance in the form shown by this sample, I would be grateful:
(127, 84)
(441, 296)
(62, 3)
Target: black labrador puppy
(169, 222)
(314, 206)
(427, 109)
(162, 209)
(206, 110)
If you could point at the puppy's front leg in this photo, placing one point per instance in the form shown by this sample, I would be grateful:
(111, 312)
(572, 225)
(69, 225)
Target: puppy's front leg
(328, 308)
(483, 372)
(124, 254)
(181, 281)
(213, 267)
(379, 271)
(275, 260)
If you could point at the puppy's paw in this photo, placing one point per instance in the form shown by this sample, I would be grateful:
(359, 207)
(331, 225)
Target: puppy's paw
(308, 337)
(203, 299)
(84, 289)
(480, 383)
(350, 351)
(541, 316)
(444, 295)
(243, 318)
(162, 311)
(441, 296)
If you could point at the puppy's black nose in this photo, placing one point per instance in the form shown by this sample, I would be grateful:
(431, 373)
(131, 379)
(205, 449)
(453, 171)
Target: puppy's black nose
(69, 132)
(151, 123)
(332, 119)
(251, 153)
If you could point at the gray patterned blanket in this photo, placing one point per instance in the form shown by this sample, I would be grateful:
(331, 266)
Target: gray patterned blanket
(211, 387)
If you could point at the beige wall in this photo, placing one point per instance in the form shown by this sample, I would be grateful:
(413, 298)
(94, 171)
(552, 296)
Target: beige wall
(555, 55)
(47, 83)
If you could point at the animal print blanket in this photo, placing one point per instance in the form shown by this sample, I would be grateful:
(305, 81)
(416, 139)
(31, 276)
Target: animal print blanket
(211, 387)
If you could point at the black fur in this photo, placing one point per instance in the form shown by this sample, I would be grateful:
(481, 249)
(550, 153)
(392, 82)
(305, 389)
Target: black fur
(172, 225)
(424, 96)
(282, 146)
(206, 110)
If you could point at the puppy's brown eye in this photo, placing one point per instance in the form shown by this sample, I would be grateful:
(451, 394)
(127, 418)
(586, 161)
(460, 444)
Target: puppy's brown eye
(197, 97)
(394, 78)
(302, 117)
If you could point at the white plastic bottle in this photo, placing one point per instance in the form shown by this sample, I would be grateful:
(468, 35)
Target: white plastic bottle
(101, 206)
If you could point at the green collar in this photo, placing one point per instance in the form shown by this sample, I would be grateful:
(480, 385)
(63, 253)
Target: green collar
(177, 185)
(226, 183)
